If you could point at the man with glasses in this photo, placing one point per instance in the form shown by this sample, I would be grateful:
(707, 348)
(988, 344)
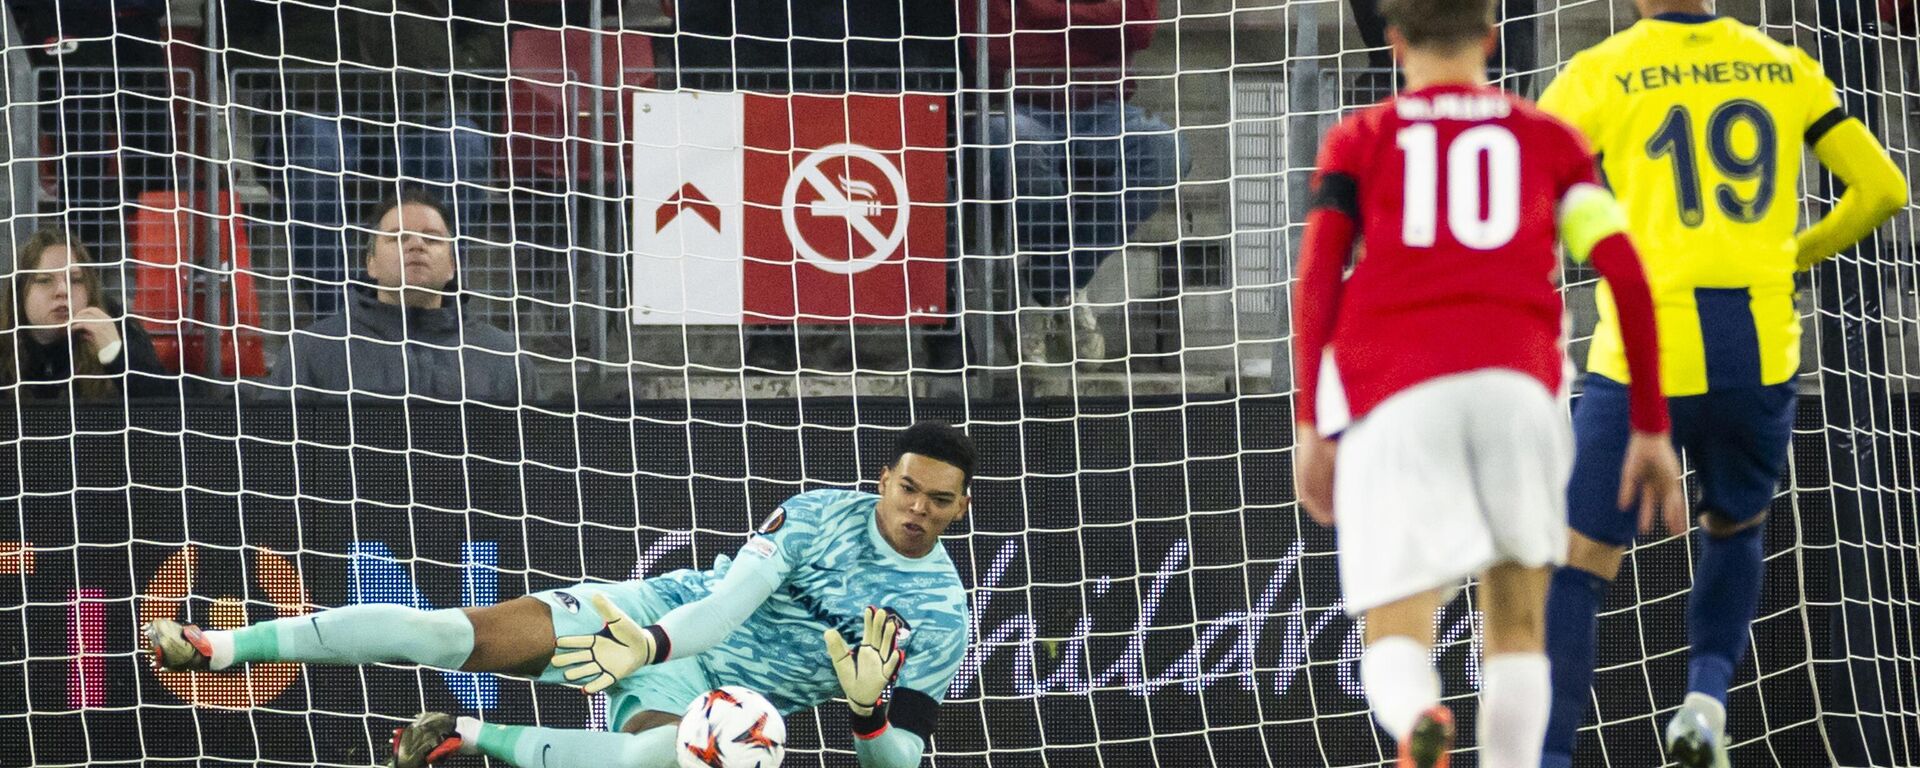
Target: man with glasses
(401, 329)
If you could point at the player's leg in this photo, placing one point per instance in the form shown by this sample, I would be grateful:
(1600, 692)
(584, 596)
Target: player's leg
(1401, 683)
(1725, 595)
(535, 747)
(1743, 440)
(434, 735)
(1523, 454)
(515, 636)
(1599, 535)
(1515, 687)
(648, 704)
(1410, 525)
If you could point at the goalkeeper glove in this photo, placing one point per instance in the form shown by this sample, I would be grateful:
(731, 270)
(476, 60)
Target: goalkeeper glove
(619, 648)
(865, 670)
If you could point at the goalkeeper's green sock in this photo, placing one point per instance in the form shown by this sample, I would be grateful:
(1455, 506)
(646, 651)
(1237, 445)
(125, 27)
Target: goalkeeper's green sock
(531, 747)
(355, 634)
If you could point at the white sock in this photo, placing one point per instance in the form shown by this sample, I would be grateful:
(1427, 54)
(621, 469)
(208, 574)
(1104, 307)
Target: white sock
(469, 731)
(1401, 683)
(1516, 694)
(222, 643)
(1715, 712)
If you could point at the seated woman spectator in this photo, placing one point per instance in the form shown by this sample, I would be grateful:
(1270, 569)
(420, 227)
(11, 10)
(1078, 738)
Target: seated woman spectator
(60, 336)
(404, 333)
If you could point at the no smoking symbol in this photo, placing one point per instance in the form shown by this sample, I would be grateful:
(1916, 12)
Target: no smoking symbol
(849, 199)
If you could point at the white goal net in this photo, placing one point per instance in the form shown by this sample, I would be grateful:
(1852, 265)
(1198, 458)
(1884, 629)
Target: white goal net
(690, 258)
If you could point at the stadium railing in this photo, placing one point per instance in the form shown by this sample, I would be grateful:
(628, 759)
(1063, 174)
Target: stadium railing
(539, 250)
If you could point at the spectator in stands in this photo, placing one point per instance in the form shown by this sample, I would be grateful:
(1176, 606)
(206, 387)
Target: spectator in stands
(1516, 56)
(62, 336)
(404, 333)
(1086, 167)
(375, 95)
(106, 105)
(325, 156)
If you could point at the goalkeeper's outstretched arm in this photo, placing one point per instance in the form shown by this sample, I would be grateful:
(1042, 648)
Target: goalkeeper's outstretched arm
(688, 630)
(1875, 187)
(703, 623)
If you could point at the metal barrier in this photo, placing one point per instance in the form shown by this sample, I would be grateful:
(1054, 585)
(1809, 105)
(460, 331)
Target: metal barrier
(108, 134)
(324, 146)
(311, 149)
(321, 145)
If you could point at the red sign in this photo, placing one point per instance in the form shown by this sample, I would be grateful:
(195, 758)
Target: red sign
(844, 209)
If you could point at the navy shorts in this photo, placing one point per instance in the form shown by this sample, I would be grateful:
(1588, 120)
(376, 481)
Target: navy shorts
(1735, 440)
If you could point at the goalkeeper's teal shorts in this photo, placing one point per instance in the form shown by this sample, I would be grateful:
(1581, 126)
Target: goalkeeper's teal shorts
(669, 687)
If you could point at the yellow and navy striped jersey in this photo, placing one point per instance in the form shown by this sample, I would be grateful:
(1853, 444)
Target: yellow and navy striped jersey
(1698, 123)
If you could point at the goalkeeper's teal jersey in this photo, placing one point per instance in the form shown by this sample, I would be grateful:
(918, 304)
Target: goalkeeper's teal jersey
(834, 563)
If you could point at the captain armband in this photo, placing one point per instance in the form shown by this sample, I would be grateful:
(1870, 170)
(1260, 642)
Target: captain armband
(1588, 215)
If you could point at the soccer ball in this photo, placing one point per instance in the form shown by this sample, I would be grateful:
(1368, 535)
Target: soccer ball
(731, 727)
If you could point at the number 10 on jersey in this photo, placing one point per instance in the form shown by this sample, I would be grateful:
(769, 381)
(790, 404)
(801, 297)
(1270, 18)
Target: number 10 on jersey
(1484, 158)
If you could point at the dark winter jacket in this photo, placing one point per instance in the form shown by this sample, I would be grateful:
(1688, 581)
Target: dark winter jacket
(373, 348)
(48, 371)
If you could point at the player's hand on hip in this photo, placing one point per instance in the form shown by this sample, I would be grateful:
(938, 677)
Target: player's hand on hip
(866, 669)
(596, 661)
(1650, 479)
(1313, 457)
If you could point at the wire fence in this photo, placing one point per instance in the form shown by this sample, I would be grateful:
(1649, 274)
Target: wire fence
(533, 162)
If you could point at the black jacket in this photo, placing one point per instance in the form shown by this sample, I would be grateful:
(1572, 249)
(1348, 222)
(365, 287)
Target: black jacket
(46, 373)
(386, 349)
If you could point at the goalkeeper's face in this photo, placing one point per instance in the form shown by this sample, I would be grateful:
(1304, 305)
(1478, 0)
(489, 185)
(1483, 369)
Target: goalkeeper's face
(919, 498)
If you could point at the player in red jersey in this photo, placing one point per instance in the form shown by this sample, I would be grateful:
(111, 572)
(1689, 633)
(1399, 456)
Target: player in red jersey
(1439, 365)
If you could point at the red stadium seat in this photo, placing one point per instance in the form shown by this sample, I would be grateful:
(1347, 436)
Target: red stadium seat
(158, 291)
(550, 92)
(165, 226)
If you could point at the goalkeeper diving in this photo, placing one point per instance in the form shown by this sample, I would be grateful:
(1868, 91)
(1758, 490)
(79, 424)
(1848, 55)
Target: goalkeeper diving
(828, 599)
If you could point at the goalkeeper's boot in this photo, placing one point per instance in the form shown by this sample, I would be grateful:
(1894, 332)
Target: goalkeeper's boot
(1432, 738)
(1692, 739)
(177, 647)
(424, 741)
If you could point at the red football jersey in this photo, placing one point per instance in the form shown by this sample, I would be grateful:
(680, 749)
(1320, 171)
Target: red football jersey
(1455, 190)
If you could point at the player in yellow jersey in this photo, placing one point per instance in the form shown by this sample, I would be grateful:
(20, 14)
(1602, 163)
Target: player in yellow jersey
(1698, 122)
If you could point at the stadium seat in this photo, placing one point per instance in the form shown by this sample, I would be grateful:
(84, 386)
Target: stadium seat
(164, 228)
(549, 112)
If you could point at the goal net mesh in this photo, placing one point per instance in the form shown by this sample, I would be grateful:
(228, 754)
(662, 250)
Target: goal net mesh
(707, 255)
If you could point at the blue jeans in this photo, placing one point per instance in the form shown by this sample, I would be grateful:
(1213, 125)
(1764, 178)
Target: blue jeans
(326, 157)
(1082, 181)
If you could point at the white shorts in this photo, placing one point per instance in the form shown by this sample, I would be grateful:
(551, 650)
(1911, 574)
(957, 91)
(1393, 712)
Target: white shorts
(1447, 478)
